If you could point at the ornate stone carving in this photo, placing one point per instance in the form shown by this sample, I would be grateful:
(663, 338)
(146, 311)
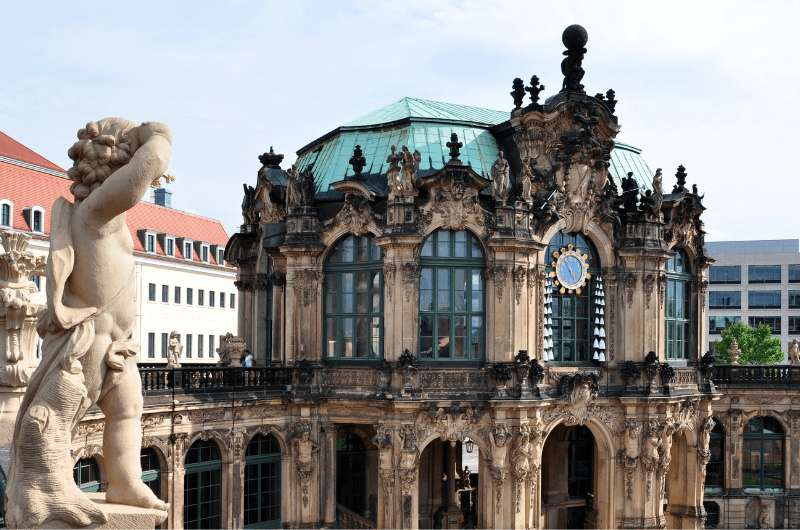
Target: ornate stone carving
(794, 352)
(389, 270)
(383, 436)
(305, 283)
(300, 188)
(452, 424)
(521, 456)
(579, 391)
(355, 216)
(650, 453)
(498, 274)
(18, 311)
(648, 284)
(630, 288)
(174, 351)
(519, 274)
(231, 350)
(304, 450)
(409, 274)
(501, 179)
(628, 457)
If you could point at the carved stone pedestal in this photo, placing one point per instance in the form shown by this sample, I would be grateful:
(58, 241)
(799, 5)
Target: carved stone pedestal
(119, 516)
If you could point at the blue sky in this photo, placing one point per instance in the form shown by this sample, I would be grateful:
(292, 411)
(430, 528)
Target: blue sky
(712, 85)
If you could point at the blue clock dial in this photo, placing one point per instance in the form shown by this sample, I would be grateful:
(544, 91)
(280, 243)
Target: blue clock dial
(571, 270)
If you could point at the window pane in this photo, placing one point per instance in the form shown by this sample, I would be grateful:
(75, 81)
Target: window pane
(724, 299)
(442, 289)
(764, 273)
(347, 292)
(459, 336)
(476, 337)
(443, 334)
(460, 290)
(443, 244)
(764, 299)
(376, 292)
(461, 244)
(362, 292)
(363, 337)
(731, 274)
(347, 337)
(426, 336)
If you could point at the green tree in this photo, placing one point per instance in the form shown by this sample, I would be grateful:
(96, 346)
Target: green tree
(758, 346)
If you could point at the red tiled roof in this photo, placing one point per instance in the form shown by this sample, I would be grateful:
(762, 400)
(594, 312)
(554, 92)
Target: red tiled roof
(11, 148)
(27, 187)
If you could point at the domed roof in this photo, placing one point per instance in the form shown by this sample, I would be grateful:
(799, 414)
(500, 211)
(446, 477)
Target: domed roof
(426, 126)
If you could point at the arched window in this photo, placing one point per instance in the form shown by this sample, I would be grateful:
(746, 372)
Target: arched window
(762, 465)
(677, 307)
(451, 297)
(87, 475)
(354, 299)
(715, 468)
(151, 470)
(574, 319)
(202, 486)
(262, 483)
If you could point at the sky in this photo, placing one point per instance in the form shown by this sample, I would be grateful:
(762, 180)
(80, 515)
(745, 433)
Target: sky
(711, 85)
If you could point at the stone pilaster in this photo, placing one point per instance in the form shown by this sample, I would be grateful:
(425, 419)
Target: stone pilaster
(401, 273)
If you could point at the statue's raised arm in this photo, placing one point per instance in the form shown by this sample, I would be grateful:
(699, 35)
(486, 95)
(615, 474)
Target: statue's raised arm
(88, 355)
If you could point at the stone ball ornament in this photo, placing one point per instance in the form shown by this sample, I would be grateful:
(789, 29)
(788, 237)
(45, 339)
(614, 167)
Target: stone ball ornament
(570, 270)
(575, 37)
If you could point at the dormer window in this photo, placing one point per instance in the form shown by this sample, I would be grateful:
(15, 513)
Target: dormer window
(220, 256)
(150, 242)
(169, 246)
(187, 249)
(6, 212)
(35, 218)
(204, 253)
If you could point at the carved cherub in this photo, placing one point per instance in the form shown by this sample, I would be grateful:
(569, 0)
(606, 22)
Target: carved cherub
(88, 351)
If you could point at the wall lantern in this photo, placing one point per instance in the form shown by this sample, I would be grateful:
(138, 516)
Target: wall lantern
(470, 445)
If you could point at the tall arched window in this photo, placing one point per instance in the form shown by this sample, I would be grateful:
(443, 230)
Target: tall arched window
(354, 299)
(151, 470)
(202, 486)
(262, 483)
(576, 320)
(715, 468)
(87, 474)
(762, 465)
(451, 297)
(676, 313)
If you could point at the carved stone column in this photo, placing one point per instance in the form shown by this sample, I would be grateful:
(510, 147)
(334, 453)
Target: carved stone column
(177, 452)
(401, 291)
(328, 480)
(303, 303)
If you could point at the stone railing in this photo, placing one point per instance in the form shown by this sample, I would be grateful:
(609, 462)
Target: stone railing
(757, 376)
(202, 379)
(349, 519)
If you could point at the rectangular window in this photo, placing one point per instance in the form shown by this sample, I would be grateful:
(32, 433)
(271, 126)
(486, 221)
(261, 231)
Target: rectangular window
(37, 221)
(151, 243)
(724, 300)
(151, 345)
(233, 301)
(177, 295)
(200, 345)
(717, 323)
(774, 323)
(764, 299)
(794, 273)
(794, 299)
(151, 292)
(5, 219)
(204, 253)
(189, 295)
(764, 274)
(220, 256)
(221, 299)
(170, 247)
(188, 345)
(725, 274)
(794, 325)
(164, 345)
(165, 293)
(201, 297)
(210, 346)
(187, 249)
(212, 298)
(677, 319)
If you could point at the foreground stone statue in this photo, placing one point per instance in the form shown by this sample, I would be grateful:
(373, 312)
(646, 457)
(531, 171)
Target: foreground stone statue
(88, 355)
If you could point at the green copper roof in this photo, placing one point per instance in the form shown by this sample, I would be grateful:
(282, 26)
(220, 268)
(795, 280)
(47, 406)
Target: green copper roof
(426, 126)
(425, 109)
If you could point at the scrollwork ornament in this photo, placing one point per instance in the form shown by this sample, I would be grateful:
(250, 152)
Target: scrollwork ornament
(389, 270)
(498, 275)
(305, 282)
(519, 281)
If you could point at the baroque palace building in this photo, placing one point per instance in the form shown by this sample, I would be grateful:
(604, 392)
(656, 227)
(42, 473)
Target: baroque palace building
(434, 287)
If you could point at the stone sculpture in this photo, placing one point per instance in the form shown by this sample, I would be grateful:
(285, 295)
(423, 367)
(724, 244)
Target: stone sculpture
(410, 165)
(574, 38)
(794, 352)
(734, 352)
(231, 351)
(294, 188)
(175, 350)
(18, 311)
(500, 177)
(88, 355)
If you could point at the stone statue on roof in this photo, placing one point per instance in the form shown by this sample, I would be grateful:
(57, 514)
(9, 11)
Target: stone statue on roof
(501, 180)
(294, 188)
(410, 165)
(393, 178)
(88, 350)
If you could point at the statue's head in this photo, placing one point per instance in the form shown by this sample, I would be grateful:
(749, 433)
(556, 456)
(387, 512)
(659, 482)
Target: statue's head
(103, 147)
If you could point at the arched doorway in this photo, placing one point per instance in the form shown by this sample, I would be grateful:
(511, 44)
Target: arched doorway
(356, 476)
(449, 481)
(262, 483)
(569, 478)
(202, 486)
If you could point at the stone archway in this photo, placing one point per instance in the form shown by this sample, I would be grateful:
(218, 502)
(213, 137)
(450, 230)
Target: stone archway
(568, 478)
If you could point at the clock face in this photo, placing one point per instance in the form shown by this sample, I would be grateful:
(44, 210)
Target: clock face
(571, 269)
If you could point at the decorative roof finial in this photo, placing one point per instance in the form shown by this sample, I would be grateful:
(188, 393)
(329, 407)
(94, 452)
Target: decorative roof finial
(574, 38)
(455, 147)
(611, 102)
(534, 90)
(271, 159)
(680, 176)
(357, 161)
(517, 92)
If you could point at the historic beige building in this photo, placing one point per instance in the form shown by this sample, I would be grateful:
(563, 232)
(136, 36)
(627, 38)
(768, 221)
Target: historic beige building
(434, 286)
